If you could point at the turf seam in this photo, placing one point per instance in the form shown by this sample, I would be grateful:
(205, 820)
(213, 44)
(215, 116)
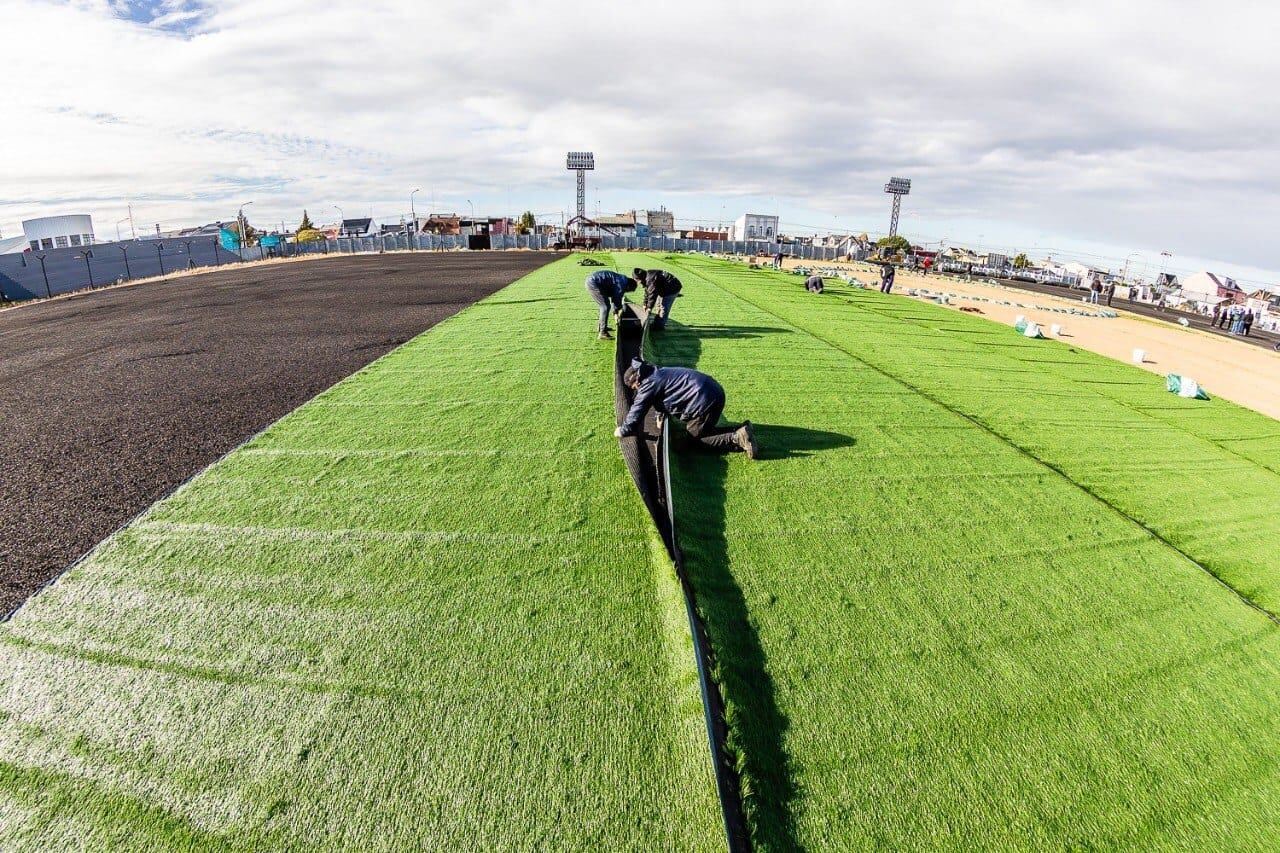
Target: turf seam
(1274, 618)
(649, 463)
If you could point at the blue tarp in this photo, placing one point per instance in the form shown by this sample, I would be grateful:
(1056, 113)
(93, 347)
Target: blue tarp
(230, 240)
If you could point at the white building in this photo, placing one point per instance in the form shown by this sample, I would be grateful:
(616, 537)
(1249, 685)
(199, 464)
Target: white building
(1209, 289)
(51, 232)
(754, 226)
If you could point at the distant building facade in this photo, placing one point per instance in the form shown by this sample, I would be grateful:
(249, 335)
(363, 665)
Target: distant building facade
(755, 226)
(54, 232)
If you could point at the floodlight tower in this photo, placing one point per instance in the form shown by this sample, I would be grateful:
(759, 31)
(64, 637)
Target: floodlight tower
(581, 162)
(897, 187)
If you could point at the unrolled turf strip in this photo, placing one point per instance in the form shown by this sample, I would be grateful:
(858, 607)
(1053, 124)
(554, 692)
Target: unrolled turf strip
(427, 610)
(928, 637)
(110, 399)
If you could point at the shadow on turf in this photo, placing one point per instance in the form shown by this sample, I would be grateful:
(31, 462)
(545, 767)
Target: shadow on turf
(757, 725)
(735, 332)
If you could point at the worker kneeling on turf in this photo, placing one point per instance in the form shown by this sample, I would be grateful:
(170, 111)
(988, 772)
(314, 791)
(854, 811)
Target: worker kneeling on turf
(606, 288)
(813, 283)
(693, 398)
(660, 289)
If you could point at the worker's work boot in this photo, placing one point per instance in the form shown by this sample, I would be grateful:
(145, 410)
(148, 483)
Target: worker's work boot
(747, 440)
(604, 335)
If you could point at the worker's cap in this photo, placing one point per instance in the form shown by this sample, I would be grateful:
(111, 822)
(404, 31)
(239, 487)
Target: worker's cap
(637, 372)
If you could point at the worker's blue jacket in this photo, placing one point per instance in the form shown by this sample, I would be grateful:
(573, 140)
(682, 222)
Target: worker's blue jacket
(611, 285)
(677, 391)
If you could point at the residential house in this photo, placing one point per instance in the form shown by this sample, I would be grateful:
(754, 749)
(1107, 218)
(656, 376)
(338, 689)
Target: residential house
(1208, 289)
(438, 223)
(357, 227)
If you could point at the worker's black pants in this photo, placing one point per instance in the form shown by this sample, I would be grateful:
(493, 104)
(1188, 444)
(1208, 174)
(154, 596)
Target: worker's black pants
(605, 304)
(705, 431)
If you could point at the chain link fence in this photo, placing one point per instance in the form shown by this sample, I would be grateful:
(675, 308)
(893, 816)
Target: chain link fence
(32, 275)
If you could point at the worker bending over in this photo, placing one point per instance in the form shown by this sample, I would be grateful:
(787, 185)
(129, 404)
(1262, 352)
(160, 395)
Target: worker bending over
(886, 278)
(606, 288)
(660, 288)
(693, 398)
(813, 283)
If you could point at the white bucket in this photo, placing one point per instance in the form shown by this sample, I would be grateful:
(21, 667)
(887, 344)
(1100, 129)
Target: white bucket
(1056, 330)
(1032, 330)
(1139, 356)
(1019, 319)
(1190, 388)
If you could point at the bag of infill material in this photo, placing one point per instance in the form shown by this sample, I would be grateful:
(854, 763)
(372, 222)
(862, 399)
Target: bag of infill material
(1184, 386)
(1032, 331)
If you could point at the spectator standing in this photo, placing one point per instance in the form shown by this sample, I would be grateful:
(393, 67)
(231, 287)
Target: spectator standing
(1248, 321)
(1111, 292)
(1217, 312)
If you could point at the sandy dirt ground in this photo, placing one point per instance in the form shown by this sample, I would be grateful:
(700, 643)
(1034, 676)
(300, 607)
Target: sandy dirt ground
(1235, 371)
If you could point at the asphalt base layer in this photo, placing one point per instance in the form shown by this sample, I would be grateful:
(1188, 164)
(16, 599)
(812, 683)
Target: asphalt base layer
(110, 400)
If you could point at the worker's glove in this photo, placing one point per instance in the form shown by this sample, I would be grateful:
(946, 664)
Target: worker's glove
(619, 433)
(662, 421)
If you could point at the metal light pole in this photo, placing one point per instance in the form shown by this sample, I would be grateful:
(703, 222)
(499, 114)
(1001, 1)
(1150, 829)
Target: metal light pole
(241, 218)
(1124, 276)
(87, 254)
(897, 187)
(413, 216)
(581, 162)
(1164, 259)
(160, 257)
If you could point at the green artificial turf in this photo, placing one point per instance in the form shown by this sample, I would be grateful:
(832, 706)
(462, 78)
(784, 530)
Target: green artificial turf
(425, 611)
(968, 598)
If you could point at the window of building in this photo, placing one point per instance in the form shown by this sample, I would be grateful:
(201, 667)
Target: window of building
(88, 239)
(35, 245)
(60, 242)
(75, 239)
(46, 243)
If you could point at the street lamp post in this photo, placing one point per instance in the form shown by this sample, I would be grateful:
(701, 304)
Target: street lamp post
(413, 217)
(342, 217)
(160, 257)
(1124, 276)
(241, 218)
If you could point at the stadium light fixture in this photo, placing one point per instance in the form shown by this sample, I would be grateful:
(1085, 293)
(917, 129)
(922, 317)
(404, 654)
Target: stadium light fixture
(897, 187)
(581, 162)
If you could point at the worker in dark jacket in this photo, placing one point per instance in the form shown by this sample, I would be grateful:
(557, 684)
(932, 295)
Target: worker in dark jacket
(693, 398)
(813, 283)
(606, 288)
(886, 278)
(660, 288)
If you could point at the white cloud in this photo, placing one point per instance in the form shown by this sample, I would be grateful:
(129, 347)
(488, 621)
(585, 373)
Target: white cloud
(1147, 124)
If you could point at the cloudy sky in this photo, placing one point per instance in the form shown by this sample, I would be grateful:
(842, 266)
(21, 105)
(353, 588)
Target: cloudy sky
(1085, 129)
